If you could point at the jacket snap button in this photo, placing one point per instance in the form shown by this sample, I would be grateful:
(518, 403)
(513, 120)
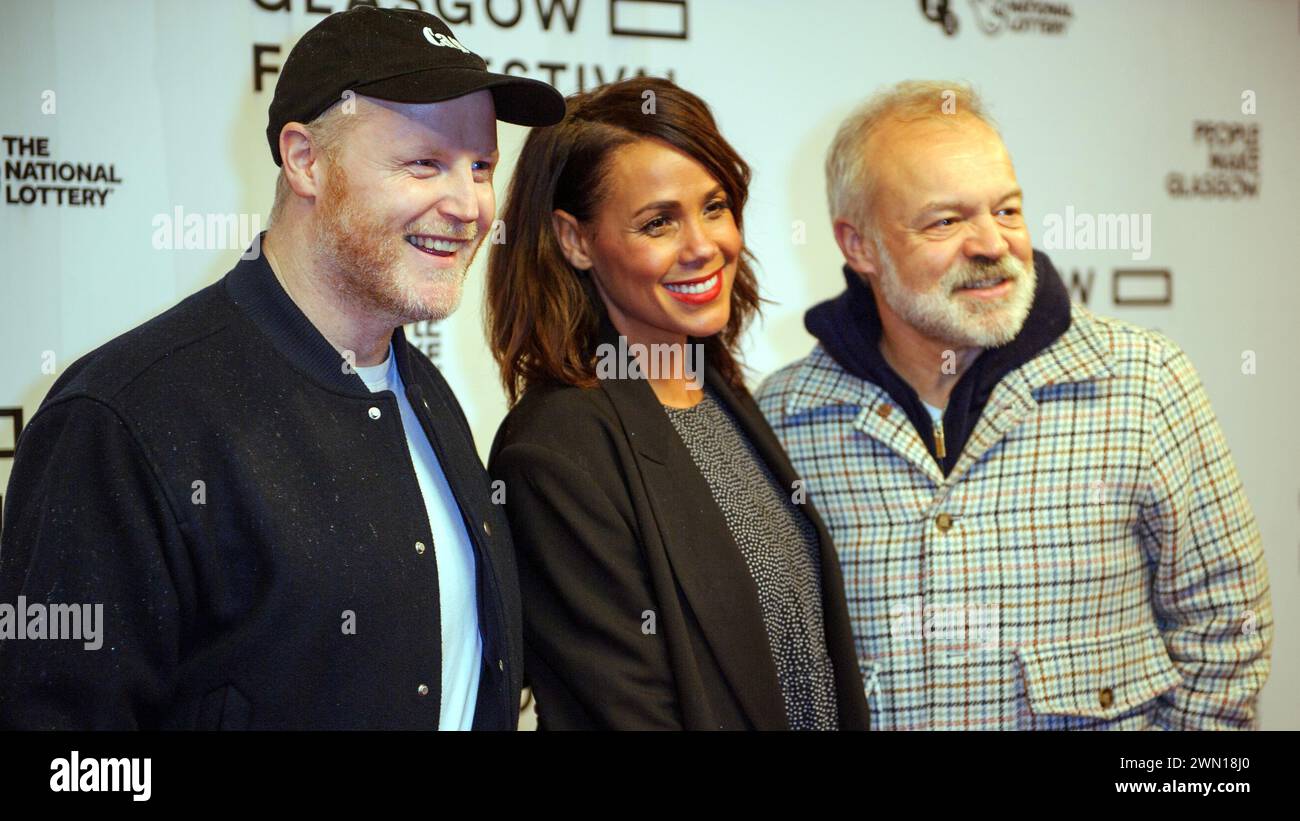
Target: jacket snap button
(944, 522)
(501, 665)
(423, 689)
(1106, 697)
(487, 529)
(374, 413)
(419, 548)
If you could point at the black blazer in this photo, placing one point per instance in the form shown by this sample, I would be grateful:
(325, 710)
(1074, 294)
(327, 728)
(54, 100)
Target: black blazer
(639, 610)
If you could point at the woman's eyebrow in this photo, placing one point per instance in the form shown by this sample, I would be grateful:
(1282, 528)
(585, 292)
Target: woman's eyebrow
(668, 205)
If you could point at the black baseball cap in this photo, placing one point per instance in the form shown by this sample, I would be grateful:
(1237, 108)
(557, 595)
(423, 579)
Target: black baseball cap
(400, 55)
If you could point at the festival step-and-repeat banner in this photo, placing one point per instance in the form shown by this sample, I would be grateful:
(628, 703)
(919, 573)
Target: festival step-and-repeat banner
(1156, 143)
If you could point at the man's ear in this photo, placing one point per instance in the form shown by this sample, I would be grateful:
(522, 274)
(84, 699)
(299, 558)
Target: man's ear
(301, 161)
(573, 242)
(859, 251)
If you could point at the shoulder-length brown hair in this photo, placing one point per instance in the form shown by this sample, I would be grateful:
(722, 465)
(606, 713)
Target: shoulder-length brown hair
(541, 322)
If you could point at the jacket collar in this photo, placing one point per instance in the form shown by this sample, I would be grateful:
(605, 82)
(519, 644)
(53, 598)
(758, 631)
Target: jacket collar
(254, 288)
(1079, 355)
(1074, 354)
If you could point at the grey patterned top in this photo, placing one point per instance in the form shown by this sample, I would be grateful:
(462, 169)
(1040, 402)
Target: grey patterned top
(780, 548)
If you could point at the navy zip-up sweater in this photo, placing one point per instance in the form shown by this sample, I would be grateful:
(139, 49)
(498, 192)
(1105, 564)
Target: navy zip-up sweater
(219, 482)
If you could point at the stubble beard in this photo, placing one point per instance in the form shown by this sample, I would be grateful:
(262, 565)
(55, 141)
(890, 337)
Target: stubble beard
(365, 256)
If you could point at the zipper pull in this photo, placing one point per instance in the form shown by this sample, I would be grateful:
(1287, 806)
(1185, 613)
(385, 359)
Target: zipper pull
(939, 449)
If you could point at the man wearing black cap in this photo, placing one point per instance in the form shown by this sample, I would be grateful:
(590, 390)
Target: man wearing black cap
(272, 496)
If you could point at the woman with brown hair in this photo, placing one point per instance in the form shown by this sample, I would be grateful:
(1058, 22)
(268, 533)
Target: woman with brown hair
(671, 575)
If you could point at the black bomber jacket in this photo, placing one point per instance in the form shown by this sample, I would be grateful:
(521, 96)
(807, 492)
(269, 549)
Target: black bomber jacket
(234, 496)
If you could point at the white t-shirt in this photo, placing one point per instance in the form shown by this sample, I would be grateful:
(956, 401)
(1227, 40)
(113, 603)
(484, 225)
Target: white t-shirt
(462, 646)
(936, 414)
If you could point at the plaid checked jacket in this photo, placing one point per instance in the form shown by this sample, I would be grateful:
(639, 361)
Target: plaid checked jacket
(1091, 562)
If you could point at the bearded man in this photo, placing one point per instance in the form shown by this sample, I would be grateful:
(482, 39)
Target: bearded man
(1038, 518)
(273, 495)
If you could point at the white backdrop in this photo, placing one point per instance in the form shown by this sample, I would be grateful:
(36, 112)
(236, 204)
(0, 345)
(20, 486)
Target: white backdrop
(1184, 112)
